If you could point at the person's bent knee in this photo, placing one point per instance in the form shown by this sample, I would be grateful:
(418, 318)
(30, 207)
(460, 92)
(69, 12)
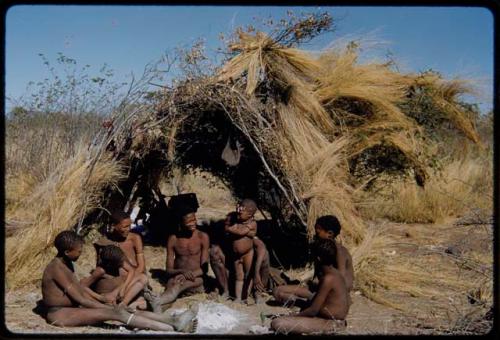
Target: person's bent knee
(215, 251)
(277, 292)
(216, 258)
(143, 279)
(276, 324)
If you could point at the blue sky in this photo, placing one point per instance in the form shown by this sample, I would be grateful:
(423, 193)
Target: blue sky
(457, 41)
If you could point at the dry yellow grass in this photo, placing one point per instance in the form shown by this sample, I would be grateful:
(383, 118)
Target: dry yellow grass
(307, 137)
(307, 121)
(55, 205)
(461, 186)
(423, 271)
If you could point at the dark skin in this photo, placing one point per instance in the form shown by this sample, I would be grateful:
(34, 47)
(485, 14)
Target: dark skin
(130, 243)
(330, 303)
(187, 254)
(344, 259)
(294, 293)
(261, 275)
(219, 264)
(242, 233)
(69, 304)
(120, 285)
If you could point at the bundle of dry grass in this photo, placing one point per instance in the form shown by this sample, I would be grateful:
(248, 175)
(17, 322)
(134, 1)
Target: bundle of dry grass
(462, 185)
(327, 99)
(335, 110)
(392, 269)
(55, 205)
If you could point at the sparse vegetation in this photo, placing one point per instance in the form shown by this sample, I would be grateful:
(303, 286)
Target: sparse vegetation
(321, 134)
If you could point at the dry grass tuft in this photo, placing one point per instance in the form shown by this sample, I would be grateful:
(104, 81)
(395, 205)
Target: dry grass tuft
(462, 185)
(55, 205)
(392, 269)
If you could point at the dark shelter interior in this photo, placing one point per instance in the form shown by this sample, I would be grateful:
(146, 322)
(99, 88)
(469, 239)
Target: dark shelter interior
(201, 141)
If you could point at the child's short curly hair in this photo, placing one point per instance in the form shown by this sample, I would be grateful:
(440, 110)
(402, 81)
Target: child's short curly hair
(67, 240)
(111, 257)
(329, 223)
(326, 251)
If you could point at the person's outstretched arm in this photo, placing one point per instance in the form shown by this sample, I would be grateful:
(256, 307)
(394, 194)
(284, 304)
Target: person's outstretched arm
(75, 290)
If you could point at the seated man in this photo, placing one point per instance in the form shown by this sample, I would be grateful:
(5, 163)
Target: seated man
(115, 279)
(242, 228)
(327, 227)
(328, 309)
(68, 304)
(187, 259)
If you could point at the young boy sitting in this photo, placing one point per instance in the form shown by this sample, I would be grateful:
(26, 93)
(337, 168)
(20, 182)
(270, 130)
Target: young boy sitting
(242, 228)
(115, 279)
(329, 306)
(327, 227)
(68, 303)
(187, 259)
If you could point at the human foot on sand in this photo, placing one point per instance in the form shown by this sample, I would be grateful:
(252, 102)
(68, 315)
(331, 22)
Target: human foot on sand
(186, 321)
(153, 301)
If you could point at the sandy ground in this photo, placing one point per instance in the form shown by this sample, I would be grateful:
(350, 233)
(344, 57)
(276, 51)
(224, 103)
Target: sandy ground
(365, 316)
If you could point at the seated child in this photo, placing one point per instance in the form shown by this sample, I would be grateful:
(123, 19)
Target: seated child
(68, 304)
(327, 227)
(187, 259)
(328, 308)
(115, 279)
(242, 228)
